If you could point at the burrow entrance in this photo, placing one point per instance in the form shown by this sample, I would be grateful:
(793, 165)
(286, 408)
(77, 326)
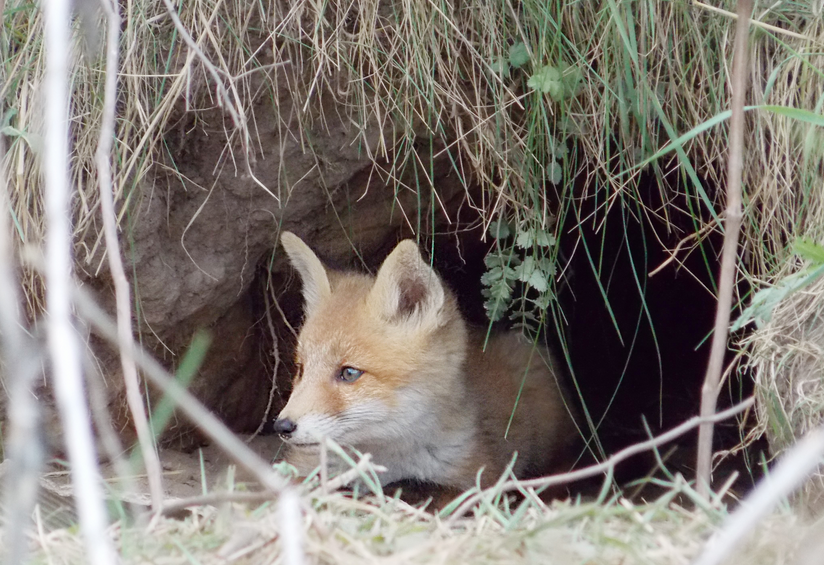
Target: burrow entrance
(636, 322)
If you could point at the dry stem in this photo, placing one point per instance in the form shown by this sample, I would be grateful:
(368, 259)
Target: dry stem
(276, 354)
(291, 528)
(22, 363)
(732, 227)
(352, 474)
(174, 506)
(606, 466)
(64, 345)
(794, 467)
(121, 283)
(229, 101)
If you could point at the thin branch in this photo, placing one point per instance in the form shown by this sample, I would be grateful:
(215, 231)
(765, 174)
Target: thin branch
(175, 506)
(756, 23)
(794, 467)
(276, 354)
(64, 346)
(600, 468)
(729, 255)
(24, 447)
(352, 474)
(121, 283)
(291, 528)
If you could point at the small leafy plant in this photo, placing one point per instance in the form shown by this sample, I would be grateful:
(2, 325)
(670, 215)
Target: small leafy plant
(520, 274)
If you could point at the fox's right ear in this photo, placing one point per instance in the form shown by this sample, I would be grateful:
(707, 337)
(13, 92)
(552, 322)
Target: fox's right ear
(316, 286)
(406, 288)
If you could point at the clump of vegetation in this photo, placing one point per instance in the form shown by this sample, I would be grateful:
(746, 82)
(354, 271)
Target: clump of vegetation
(348, 527)
(521, 257)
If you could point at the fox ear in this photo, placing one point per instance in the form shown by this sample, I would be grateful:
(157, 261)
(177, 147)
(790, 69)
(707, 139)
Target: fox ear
(316, 286)
(406, 287)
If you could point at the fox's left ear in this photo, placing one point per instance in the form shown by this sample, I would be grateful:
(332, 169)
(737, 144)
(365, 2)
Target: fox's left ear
(407, 288)
(316, 286)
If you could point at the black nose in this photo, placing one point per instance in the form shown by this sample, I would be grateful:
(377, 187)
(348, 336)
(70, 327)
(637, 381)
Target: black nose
(285, 426)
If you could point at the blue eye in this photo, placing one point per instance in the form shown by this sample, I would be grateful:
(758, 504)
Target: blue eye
(349, 374)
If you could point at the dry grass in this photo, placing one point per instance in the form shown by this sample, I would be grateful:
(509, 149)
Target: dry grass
(787, 355)
(372, 529)
(648, 73)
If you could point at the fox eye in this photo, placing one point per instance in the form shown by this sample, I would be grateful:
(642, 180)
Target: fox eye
(349, 374)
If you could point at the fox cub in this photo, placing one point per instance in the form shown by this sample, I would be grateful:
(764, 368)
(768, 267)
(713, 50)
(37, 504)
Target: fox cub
(387, 365)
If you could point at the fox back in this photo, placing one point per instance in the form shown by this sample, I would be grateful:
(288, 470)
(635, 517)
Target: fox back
(387, 365)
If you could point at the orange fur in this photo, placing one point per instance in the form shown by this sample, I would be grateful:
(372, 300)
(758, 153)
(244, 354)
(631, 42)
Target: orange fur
(430, 405)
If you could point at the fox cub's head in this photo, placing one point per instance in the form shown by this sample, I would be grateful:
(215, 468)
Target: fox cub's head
(371, 351)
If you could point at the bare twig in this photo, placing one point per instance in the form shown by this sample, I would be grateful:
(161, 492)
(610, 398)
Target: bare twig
(126, 486)
(352, 474)
(600, 468)
(24, 447)
(755, 23)
(794, 467)
(121, 283)
(191, 407)
(291, 528)
(729, 255)
(64, 346)
(324, 466)
(276, 354)
(174, 506)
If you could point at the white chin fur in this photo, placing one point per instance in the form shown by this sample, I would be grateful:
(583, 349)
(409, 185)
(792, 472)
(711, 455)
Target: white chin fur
(366, 423)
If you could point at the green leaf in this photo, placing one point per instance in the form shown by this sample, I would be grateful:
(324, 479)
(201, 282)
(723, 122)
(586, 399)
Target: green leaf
(492, 276)
(518, 55)
(809, 250)
(547, 79)
(547, 265)
(500, 66)
(499, 229)
(493, 260)
(793, 113)
(528, 238)
(524, 316)
(557, 149)
(556, 173)
(765, 300)
(571, 78)
(495, 310)
(796, 114)
(8, 116)
(11, 131)
(524, 270)
(537, 280)
(186, 371)
(543, 301)
(524, 239)
(499, 297)
(501, 290)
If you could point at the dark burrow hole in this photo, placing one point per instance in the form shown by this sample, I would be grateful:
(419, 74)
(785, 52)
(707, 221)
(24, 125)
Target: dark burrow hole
(639, 363)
